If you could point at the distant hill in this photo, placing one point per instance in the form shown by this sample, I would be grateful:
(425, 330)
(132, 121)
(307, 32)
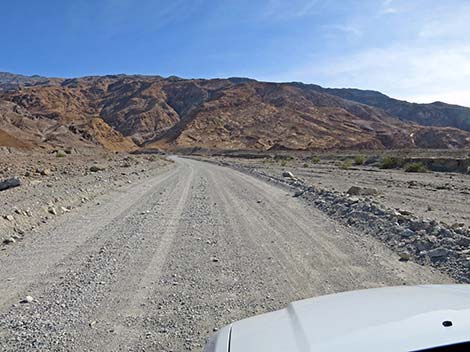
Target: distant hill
(11, 81)
(434, 114)
(121, 112)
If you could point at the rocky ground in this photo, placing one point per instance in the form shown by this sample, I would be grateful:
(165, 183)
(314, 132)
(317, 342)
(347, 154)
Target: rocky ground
(423, 216)
(162, 262)
(438, 196)
(56, 183)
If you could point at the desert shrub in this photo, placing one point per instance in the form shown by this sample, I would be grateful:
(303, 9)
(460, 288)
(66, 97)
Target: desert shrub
(391, 162)
(283, 163)
(280, 157)
(305, 165)
(346, 164)
(415, 167)
(315, 159)
(60, 154)
(359, 160)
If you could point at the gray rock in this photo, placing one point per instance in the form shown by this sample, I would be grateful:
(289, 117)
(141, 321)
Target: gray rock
(9, 217)
(438, 252)
(288, 174)
(404, 212)
(423, 245)
(27, 299)
(9, 240)
(362, 191)
(407, 233)
(96, 168)
(9, 183)
(445, 232)
(463, 241)
(457, 226)
(404, 255)
(44, 172)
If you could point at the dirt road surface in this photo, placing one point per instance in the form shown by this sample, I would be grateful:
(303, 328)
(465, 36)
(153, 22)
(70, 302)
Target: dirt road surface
(160, 264)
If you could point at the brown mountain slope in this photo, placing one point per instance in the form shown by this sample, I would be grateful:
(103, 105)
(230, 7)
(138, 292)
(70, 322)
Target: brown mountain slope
(118, 112)
(267, 116)
(34, 130)
(434, 114)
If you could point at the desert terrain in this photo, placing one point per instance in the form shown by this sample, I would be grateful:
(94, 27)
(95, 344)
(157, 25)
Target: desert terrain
(144, 213)
(117, 251)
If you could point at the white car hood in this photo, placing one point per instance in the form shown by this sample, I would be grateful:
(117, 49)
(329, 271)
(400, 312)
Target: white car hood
(384, 319)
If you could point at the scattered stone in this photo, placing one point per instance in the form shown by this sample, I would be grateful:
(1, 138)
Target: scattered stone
(438, 252)
(288, 174)
(457, 226)
(52, 211)
(404, 256)
(404, 212)
(215, 259)
(19, 231)
(44, 172)
(362, 191)
(97, 168)
(27, 299)
(407, 233)
(9, 217)
(9, 240)
(10, 183)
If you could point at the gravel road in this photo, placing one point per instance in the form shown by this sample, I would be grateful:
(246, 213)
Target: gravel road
(163, 262)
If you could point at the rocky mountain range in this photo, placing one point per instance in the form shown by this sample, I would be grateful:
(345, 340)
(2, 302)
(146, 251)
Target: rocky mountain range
(125, 112)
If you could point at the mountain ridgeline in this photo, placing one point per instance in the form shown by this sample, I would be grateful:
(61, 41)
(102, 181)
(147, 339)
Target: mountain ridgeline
(126, 112)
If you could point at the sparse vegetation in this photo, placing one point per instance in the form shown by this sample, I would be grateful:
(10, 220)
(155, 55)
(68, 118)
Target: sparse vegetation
(346, 164)
(415, 167)
(359, 160)
(391, 162)
(306, 165)
(283, 157)
(283, 163)
(60, 154)
(315, 159)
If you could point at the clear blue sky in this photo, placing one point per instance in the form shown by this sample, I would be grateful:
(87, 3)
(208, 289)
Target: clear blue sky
(413, 49)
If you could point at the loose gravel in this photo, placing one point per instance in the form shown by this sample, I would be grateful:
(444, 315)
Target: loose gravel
(163, 262)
